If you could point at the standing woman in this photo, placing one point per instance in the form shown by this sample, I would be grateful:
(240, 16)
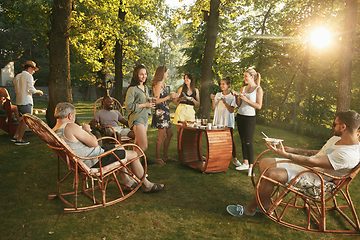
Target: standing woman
(249, 99)
(139, 109)
(189, 97)
(224, 104)
(161, 116)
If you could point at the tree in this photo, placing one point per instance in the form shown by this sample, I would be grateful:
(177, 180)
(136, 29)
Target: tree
(59, 82)
(347, 54)
(211, 35)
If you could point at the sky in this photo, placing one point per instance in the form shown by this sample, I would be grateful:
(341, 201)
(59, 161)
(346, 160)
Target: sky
(176, 3)
(173, 4)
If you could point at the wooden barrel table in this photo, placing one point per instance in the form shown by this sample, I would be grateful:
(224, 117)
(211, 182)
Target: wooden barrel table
(219, 148)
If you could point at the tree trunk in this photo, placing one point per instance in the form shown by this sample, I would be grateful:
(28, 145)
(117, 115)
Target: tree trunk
(59, 82)
(119, 76)
(347, 54)
(211, 35)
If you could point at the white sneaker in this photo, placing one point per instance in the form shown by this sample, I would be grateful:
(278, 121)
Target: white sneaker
(243, 167)
(249, 173)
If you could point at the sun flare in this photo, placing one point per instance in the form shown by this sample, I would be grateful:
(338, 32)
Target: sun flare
(320, 37)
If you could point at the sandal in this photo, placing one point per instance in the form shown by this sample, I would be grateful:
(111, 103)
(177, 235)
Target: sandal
(170, 159)
(160, 161)
(155, 188)
(134, 185)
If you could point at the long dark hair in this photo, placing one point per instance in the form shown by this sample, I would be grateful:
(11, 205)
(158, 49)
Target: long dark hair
(192, 84)
(135, 78)
(159, 75)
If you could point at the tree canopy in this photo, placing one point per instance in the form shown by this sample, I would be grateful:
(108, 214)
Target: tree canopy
(301, 82)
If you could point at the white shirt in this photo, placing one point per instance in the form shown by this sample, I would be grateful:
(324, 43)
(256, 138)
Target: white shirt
(222, 116)
(24, 88)
(245, 109)
(343, 158)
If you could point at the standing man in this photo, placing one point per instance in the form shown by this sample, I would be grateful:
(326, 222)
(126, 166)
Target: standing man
(24, 88)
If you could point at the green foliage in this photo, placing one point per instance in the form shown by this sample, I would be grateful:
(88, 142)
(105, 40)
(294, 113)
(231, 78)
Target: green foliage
(271, 36)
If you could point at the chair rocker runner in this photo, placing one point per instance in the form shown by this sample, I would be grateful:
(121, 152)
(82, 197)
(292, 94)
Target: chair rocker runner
(316, 202)
(110, 188)
(98, 105)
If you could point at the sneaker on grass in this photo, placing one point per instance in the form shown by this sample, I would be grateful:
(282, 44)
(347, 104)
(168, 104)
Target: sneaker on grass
(243, 167)
(238, 211)
(21, 143)
(237, 163)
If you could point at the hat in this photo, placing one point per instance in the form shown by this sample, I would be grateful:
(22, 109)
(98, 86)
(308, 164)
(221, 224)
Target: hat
(30, 64)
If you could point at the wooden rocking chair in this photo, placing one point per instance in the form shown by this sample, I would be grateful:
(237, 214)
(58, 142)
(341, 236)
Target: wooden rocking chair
(6, 121)
(98, 105)
(110, 188)
(310, 208)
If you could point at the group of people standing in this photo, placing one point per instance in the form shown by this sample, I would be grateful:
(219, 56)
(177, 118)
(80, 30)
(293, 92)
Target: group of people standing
(224, 103)
(139, 108)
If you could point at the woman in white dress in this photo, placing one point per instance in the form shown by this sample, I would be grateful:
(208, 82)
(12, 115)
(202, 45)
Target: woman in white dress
(224, 104)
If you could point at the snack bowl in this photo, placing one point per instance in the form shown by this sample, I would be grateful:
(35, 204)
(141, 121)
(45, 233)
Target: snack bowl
(273, 141)
(214, 127)
(202, 127)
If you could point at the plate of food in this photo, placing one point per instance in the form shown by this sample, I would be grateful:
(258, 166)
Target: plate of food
(273, 141)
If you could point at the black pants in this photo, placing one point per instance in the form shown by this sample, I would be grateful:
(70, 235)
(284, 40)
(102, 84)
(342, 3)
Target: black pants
(233, 143)
(246, 128)
(108, 159)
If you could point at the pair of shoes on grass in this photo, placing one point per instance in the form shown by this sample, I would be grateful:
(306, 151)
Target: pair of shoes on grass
(243, 167)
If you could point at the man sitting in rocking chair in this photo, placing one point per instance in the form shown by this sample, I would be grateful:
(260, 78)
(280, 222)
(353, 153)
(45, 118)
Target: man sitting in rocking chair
(337, 157)
(84, 143)
(109, 117)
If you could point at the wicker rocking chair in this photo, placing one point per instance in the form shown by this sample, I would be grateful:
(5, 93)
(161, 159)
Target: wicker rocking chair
(303, 206)
(110, 188)
(104, 131)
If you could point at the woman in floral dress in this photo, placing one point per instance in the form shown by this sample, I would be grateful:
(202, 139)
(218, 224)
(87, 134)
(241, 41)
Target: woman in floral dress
(161, 116)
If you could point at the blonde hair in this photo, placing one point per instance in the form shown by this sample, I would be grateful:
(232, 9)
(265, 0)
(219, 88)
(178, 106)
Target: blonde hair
(256, 75)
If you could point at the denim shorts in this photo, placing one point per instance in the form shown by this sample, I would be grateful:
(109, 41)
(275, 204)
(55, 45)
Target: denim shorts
(138, 123)
(25, 109)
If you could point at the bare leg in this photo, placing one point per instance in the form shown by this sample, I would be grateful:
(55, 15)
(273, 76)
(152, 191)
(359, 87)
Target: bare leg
(159, 141)
(16, 112)
(266, 187)
(20, 130)
(169, 135)
(141, 136)
(138, 169)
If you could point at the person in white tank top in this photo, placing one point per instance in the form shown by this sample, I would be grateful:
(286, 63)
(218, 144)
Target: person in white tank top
(249, 99)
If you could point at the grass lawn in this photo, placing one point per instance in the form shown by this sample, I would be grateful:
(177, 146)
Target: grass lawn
(193, 204)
